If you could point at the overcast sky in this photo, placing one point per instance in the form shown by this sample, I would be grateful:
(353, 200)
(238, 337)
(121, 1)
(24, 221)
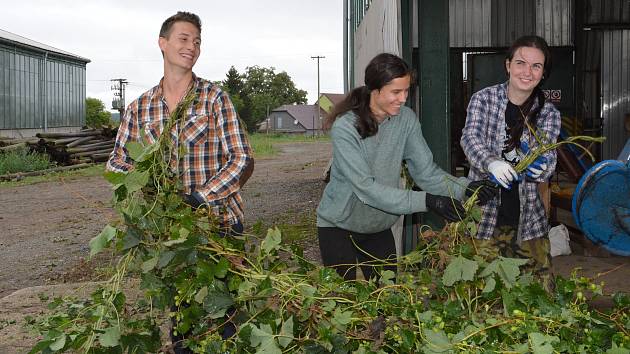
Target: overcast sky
(120, 38)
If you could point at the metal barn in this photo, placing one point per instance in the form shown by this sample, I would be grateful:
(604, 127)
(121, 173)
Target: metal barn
(42, 88)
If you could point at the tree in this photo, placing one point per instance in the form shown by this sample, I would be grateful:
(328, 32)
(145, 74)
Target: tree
(259, 90)
(96, 115)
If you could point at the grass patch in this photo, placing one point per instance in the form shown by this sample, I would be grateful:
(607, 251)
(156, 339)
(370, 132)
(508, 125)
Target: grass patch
(264, 145)
(295, 228)
(94, 170)
(21, 160)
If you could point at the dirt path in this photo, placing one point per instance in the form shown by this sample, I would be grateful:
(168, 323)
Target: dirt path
(45, 228)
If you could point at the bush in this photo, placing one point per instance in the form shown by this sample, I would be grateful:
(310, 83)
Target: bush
(21, 160)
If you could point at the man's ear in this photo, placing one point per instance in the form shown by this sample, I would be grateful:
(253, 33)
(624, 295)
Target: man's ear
(162, 43)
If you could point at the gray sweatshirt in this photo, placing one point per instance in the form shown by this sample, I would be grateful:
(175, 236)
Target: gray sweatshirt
(363, 194)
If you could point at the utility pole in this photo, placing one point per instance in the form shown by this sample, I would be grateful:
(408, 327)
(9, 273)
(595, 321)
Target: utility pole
(118, 103)
(318, 105)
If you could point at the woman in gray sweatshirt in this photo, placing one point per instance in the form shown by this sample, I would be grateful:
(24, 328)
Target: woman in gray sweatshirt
(372, 134)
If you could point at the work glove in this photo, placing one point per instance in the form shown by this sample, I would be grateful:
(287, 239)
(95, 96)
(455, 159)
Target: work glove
(446, 207)
(537, 167)
(194, 200)
(502, 173)
(487, 190)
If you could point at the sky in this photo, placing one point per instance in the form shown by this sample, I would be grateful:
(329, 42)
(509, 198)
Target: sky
(120, 38)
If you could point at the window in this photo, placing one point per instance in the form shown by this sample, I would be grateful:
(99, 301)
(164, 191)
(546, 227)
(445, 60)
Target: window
(278, 122)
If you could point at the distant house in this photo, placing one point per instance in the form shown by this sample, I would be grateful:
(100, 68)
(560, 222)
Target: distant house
(300, 118)
(293, 119)
(42, 88)
(328, 100)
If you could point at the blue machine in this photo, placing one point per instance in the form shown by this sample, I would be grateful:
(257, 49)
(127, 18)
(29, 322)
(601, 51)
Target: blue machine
(601, 205)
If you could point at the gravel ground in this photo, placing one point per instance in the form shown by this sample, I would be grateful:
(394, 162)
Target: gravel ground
(46, 226)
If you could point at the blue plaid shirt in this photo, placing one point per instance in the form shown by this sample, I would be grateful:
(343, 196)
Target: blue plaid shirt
(482, 144)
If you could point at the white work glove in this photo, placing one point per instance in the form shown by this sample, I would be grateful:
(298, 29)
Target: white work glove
(502, 172)
(535, 170)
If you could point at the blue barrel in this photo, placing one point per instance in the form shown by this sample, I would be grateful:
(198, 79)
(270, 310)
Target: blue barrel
(601, 206)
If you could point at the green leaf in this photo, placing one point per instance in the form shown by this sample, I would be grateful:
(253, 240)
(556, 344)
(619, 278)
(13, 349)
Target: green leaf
(272, 241)
(98, 242)
(201, 294)
(221, 269)
(617, 350)
(115, 178)
(111, 337)
(58, 343)
(134, 149)
(246, 288)
(341, 318)
(490, 285)
(460, 268)
(149, 264)
(387, 277)
(130, 239)
(437, 342)
(286, 333)
(263, 338)
(217, 302)
(40, 346)
(165, 258)
(135, 180)
(542, 343)
(475, 213)
(425, 317)
(506, 268)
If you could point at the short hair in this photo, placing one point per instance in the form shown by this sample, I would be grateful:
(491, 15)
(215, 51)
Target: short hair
(180, 16)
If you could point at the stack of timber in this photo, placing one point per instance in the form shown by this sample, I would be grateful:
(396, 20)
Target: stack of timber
(85, 146)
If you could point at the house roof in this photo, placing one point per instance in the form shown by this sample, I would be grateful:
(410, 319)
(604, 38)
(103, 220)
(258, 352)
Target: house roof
(15, 39)
(328, 100)
(334, 97)
(305, 114)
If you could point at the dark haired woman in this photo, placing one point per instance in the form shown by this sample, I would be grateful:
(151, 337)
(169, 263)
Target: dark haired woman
(372, 133)
(496, 137)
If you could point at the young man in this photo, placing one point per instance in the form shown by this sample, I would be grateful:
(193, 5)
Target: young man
(218, 157)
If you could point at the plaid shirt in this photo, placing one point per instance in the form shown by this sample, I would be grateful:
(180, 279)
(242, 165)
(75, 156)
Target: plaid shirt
(482, 144)
(217, 148)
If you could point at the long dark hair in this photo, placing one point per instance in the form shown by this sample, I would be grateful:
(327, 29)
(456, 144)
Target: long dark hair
(529, 108)
(380, 71)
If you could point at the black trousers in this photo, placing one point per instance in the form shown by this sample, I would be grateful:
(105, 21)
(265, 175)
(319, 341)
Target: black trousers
(229, 330)
(342, 249)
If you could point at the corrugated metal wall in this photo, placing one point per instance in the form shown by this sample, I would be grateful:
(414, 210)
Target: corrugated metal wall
(378, 32)
(554, 21)
(607, 12)
(497, 23)
(615, 71)
(30, 101)
(587, 67)
(469, 22)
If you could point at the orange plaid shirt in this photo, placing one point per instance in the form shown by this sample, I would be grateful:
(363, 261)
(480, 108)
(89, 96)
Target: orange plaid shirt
(217, 148)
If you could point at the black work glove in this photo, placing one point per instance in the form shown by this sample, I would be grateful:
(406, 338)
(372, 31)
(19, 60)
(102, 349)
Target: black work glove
(487, 190)
(194, 200)
(446, 207)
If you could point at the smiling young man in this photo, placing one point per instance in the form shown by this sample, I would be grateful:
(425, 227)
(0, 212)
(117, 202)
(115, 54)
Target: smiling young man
(372, 134)
(218, 157)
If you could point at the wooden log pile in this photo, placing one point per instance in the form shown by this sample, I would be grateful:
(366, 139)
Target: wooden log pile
(85, 146)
